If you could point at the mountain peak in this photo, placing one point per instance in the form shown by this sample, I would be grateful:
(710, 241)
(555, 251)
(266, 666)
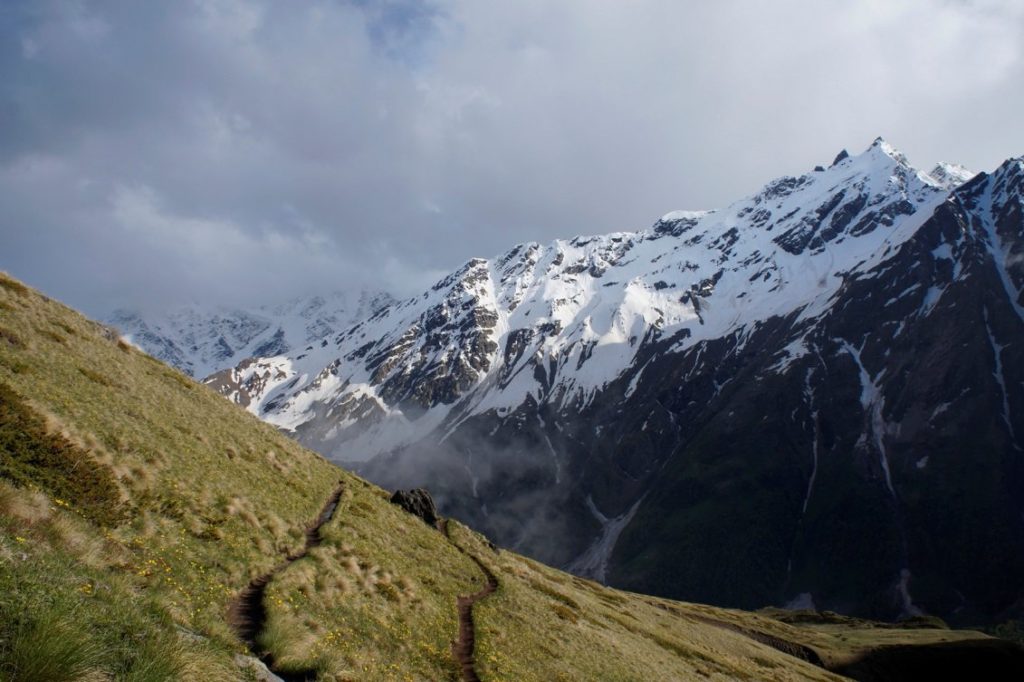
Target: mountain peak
(878, 153)
(882, 144)
(950, 175)
(880, 147)
(683, 215)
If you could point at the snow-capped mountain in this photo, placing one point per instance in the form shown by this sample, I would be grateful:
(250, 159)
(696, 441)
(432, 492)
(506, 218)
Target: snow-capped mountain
(201, 340)
(558, 322)
(813, 395)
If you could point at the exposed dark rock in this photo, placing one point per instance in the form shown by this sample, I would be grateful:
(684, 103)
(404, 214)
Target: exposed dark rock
(782, 187)
(674, 228)
(275, 345)
(222, 349)
(417, 502)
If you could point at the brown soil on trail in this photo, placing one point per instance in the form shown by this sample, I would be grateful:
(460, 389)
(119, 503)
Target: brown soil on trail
(247, 614)
(462, 649)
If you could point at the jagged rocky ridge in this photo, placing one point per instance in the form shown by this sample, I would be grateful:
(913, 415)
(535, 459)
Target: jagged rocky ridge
(812, 396)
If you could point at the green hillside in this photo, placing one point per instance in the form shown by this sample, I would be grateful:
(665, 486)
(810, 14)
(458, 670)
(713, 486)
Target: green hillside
(137, 505)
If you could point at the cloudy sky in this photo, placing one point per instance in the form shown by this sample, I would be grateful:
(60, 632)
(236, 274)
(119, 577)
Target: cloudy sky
(155, 153)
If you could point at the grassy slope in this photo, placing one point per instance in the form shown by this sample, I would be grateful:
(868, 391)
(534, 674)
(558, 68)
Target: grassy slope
(128, 572)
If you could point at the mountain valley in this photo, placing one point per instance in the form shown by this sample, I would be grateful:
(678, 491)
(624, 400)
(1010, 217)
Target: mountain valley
(151, 530)
(811, 397)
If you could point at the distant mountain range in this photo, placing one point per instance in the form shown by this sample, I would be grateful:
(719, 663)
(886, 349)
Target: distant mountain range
(200, 340)
(813, 397)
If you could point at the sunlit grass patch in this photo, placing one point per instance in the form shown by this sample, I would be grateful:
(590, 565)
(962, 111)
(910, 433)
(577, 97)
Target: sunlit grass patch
(68, 610)
(378, 596)
(12, 285)
(12, 339)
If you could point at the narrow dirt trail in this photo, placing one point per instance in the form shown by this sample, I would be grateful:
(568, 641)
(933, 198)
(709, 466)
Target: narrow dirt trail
(247, 614)
(463, 648)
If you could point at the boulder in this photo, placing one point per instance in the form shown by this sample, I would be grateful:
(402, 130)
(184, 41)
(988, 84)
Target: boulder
(417, 502)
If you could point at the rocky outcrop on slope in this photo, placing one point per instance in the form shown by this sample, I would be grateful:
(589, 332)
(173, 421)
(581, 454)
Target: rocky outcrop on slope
(417, 502)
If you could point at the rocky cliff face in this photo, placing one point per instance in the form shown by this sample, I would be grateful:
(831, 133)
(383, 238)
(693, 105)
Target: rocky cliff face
(873, 465)
(811, 396)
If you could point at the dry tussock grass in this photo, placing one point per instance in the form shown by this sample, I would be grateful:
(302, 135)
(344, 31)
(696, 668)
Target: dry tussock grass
(90, 550)
(285, 633)
(49, 525)
(283, 466)
(30, 507)
(275, 526)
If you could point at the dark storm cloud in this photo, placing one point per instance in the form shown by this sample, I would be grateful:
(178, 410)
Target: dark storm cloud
(165, 152)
